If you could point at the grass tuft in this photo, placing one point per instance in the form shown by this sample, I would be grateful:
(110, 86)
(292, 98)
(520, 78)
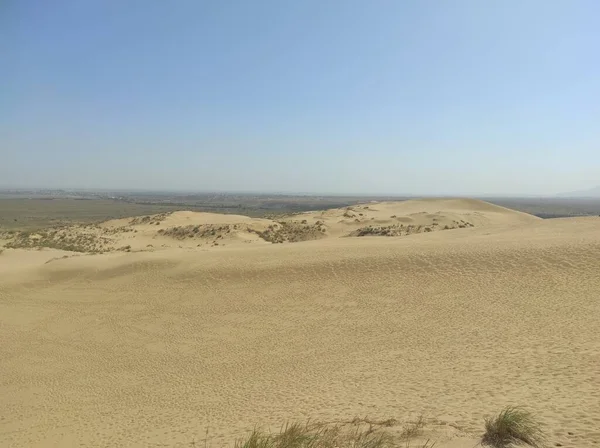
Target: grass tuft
(413, 429)
(256, 439)
(513, 426)
(317, 436)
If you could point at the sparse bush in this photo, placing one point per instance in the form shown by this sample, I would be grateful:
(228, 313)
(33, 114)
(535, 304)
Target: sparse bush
(195, 231)
(151, 220)
(290, 231)
(393, 230)
(513, 426)
(54, 239)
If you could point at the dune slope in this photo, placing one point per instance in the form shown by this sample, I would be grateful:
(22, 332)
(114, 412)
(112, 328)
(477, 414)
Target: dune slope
(154, 348)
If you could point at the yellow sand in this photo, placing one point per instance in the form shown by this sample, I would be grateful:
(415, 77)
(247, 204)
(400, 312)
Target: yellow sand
(152, 348)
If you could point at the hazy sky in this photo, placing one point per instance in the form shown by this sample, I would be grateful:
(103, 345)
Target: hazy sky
(401, 97)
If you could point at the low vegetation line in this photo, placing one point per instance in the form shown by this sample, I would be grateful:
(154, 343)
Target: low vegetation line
(514, 426)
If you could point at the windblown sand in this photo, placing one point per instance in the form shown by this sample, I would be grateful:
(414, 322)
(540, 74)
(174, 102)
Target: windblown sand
(154, 348)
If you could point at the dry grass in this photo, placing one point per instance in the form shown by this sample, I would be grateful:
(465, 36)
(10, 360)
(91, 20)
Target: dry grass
(199, 231)
(366, 420)
(292, 232)
(513, 426)
(391, 230)
(150, 220)
(402, 230)
(413, 429)
(195, 231)
(356, 433)
(317, 436)
(58, 239)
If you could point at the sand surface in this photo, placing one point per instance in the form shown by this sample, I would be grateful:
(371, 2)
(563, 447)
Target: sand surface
(156, 346)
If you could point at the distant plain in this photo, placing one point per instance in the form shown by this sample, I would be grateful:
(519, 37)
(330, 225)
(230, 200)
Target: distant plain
(35, 209)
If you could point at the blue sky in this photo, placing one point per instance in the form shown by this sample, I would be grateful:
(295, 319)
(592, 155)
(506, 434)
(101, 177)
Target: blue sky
(345, 96)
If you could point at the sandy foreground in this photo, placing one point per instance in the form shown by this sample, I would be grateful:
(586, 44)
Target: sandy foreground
(157, 346)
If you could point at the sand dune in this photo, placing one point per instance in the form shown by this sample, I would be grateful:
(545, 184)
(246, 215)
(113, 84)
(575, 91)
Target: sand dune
(193, 230)
(154, 347)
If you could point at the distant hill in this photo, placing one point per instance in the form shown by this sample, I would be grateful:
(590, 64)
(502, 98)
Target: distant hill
(591, 193)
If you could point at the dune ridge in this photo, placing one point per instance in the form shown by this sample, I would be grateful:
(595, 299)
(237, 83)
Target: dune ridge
(194, 230)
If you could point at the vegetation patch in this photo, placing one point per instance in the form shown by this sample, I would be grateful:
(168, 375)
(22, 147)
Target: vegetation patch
(513, 426)
(149, 220)
(391, 230)
(463, 224)
(210, 231)
(402, 230)
(357, 433)
(349, 213)
(60, 239)
(292, 232)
